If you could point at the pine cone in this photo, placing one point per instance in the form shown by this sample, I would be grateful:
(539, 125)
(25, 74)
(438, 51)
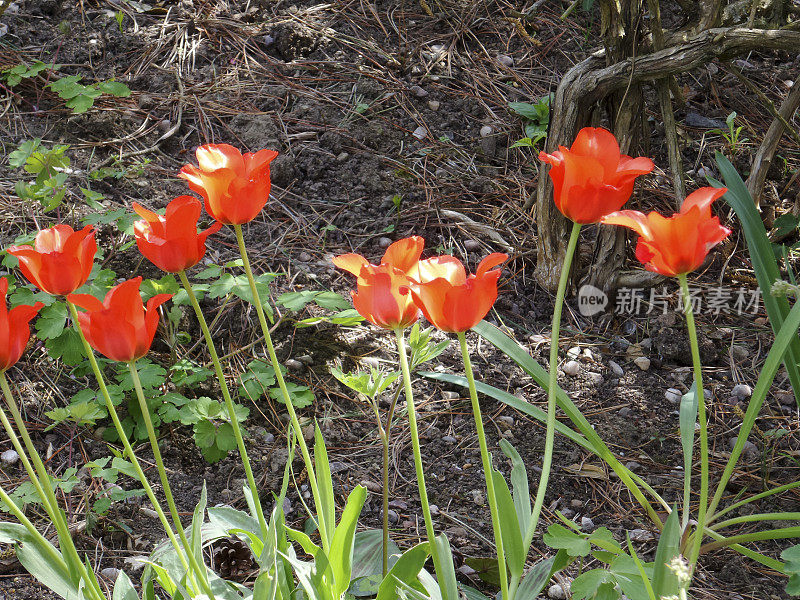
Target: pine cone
(233, 560)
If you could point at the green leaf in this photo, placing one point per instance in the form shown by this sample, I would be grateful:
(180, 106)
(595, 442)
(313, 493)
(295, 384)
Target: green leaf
(509, 526)
(258, 378)
(368, 562)
(114, 88)
(792, 569)
(559, 537)
(369, 383)
(51, 321)
(226, 440)
(151, 375)
(405, 570)
(123, 588)
(343, 537)
(80, 104)
(300, 395)
(324, 482)
(332, 301)
(665, 582)
(519, 480)
(592, 584)
(763, 260)
(67, 347)
(542, 572)
(205, 434)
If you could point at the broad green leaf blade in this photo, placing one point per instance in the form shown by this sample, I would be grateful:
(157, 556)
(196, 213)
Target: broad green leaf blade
(519, 480)
(123, 588)
(197, 523)
(665, 583)
(37, 560)
(343, 537)
(509, 526)
(762, 256)
(539, 576)
(324, 483)
(447, 578)
(406, 570)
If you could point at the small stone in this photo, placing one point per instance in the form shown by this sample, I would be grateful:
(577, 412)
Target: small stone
(372, 486)
(760, 321)
(625, 412)
(785, 397)
(572, 368)
(132, 564)
(505, 60)
(673, 395)
(477, 498)
(576, 503)
(434, 509)
(9, 457)
(505, 422)
(342, 156)
(448, 395)
(164, 125)
(109, 573)
(486, 130)
(742, 391)
(418, 91)
(420, 133)
(393, 516)
(568, 513)
(596, 378)
(633, 466)
(287, 506)
(615, 369)
(294, 365)
(739, 353)
(384, 242)
(556, 592)
(433, 104)
(449, 439)
(587, 524)
(371, 361)
(640, 535)
(466, 570)
(642, 362)
(304, 256)
(574, 352)
(398, 504)
(472, 245)
(306, 359)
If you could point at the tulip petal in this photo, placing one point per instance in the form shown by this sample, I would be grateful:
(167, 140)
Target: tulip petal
(494, 259)
(640, 165)
(600, 145)
(212, 157)
(702, 198)
(444, 267)
(85, 301)
(632, 219)
(352, 263)
(404, 254)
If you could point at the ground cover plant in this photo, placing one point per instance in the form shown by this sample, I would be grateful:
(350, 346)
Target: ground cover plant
(256, 391)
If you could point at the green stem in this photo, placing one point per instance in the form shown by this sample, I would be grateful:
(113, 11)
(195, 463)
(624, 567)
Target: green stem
(226, 395)
(287, 398)
(412, 424)
(42, 484)
(552, 387)
(112, 412)
(488, 469)
(701, 415)
(162, 473)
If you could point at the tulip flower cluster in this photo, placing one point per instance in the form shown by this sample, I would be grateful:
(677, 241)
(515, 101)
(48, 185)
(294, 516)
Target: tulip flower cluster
(592, 181)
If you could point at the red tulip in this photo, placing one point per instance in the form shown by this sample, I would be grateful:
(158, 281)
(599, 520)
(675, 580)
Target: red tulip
(379, 299)
(60, 260)
(171, 242)
(119, 327)
(235, 186)
(592, 179)
(15, 328)
(678, 244)
(451, 300)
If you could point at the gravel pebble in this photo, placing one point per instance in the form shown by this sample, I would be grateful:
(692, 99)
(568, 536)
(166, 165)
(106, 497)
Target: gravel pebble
(109, 573)
(384, 242)
(9, 457)
(556, 592)
(640, 535)
(615, 369)
(505, 60)
(742, 391)
(433, 104)
(673, 395)
(587, 524)
(572, 368)
(642, 362)
(418, 91)
(420, 133)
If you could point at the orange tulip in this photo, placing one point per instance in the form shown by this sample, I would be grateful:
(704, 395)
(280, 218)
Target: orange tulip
(119, 327)
(451, 300)
(379, 299)
(171, 241)
(15, 328)
(235, 186)
(592, 179)
(60, 260)
(678, 244)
